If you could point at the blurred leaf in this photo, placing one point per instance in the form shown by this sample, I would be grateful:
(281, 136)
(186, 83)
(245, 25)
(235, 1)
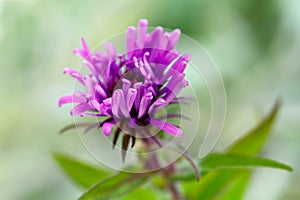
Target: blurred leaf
(237, 188)
(219, 161)
(115, 186)
(138, 193)
(160, 182)
(83, 174)
(212, 184)
(225, 181)
(252, 142)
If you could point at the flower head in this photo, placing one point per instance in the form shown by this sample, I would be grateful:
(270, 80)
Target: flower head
(131, 88)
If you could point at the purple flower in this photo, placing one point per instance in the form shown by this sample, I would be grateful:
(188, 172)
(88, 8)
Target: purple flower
(132, 88)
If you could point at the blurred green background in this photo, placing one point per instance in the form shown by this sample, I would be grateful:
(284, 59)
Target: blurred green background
(255, 44)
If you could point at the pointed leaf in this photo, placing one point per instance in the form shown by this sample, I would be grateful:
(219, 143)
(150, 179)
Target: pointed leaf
(238, 187)
(210, 185)
(81, 173)
(223, 181)
(219, 161)
(252, 142)
(116, 185)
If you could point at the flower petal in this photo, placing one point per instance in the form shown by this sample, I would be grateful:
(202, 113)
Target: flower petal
(167, 127)
(74, 74)
(131, 41)
(80, 109)
(100, 91)
(154, 38)
(126, 84)
(106, 128)
(145, 101)
(181, 63)
(95, 104)
(115, 104)
(85, 52)
(105, 107)
(70, 99)
(131, 95)
(111, 50)
(142, 31)
(91, 67)
(138, 87)
(122, 104)
(174, 37)
(158, 102)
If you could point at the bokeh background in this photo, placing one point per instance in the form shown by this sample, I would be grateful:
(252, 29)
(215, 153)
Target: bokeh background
(255, 44)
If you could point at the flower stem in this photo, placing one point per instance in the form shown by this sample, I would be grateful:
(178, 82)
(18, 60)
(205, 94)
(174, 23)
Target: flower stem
(167, 172)
(174, 191)
(171, 185)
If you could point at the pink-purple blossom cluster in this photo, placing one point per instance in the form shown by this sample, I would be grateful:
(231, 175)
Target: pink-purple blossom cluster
(131, 88)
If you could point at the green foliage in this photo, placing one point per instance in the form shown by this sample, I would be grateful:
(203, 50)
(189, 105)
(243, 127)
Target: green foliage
(252, 142)
(138, 193)
(110, 187)
(212, 184)
(115, 186)
(225, 175)
(217, 183)
(238, 186)
(220, 161)
(83, 174)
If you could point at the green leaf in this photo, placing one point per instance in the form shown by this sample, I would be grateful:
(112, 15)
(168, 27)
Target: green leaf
(220, 161)
(138, 193)
(217, 183)
(81, 173)
(116, 186)
(211, 184)
(216, 161)
(252, 142)
(238, 186)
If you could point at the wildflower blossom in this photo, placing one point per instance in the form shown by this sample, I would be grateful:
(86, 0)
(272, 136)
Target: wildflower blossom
(131, 88)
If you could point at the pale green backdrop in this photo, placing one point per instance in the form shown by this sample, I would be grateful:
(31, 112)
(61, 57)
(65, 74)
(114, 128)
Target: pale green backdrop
(255, 44)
